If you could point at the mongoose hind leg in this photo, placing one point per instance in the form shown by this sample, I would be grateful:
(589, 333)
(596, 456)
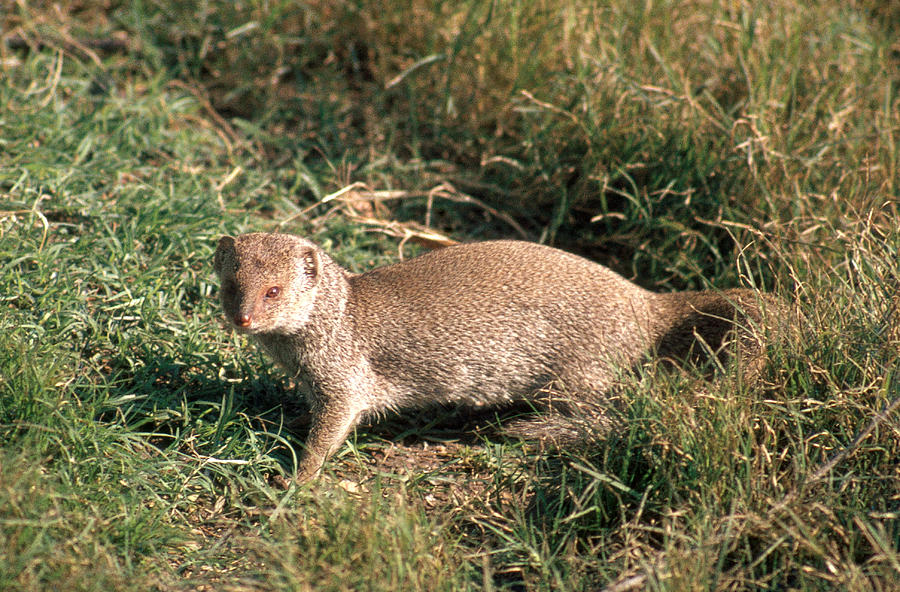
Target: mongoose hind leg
(566, 417)
(556, 429)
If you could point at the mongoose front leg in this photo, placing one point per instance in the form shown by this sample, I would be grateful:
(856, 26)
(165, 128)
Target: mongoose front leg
(332, 421)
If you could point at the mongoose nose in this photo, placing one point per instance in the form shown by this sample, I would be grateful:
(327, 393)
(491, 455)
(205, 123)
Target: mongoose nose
(242, 320)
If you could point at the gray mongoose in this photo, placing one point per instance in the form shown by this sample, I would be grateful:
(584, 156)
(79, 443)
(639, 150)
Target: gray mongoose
(478, 324)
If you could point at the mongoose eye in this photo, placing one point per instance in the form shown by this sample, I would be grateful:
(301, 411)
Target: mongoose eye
(273, 292)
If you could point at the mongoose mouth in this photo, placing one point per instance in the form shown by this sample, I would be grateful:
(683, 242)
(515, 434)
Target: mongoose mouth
(247, 330)
(243, 322)
(256, 329)
(243, 329)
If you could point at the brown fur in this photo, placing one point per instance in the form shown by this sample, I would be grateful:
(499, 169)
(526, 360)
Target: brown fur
(477, 324)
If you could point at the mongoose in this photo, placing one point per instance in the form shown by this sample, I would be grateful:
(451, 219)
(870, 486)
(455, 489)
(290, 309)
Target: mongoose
(478, 324)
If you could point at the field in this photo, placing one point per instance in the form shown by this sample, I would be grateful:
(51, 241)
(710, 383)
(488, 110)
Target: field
(687, 145)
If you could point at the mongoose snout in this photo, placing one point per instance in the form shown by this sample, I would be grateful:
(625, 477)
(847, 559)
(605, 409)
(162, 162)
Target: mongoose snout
(477, 324)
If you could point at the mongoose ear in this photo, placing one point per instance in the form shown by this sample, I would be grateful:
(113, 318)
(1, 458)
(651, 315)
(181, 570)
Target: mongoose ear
(309, 264)
(226, 244)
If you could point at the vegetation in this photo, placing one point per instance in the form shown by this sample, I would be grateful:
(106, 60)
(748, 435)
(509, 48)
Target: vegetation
(685, 144)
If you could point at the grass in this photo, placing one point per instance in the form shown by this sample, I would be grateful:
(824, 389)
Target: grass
(686, 145)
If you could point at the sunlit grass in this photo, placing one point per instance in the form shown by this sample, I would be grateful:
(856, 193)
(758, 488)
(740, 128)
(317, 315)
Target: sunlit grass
(687, 145)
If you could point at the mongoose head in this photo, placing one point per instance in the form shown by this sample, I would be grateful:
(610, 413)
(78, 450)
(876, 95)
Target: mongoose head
(268, 281)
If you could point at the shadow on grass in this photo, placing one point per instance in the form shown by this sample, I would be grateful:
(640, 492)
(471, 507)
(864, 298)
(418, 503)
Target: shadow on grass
(174, 400)
(176, 403)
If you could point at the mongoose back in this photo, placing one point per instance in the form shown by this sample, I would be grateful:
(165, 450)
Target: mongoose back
(478, 324)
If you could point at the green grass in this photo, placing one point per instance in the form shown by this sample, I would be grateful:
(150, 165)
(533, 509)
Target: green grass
(686, 145)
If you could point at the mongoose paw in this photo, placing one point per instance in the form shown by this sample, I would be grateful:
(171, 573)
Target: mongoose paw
(284, 483)
(306, 474)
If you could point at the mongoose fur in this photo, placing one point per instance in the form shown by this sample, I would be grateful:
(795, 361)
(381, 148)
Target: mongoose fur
(478, 324)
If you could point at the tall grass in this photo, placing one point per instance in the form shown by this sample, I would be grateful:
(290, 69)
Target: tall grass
(687, 145)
